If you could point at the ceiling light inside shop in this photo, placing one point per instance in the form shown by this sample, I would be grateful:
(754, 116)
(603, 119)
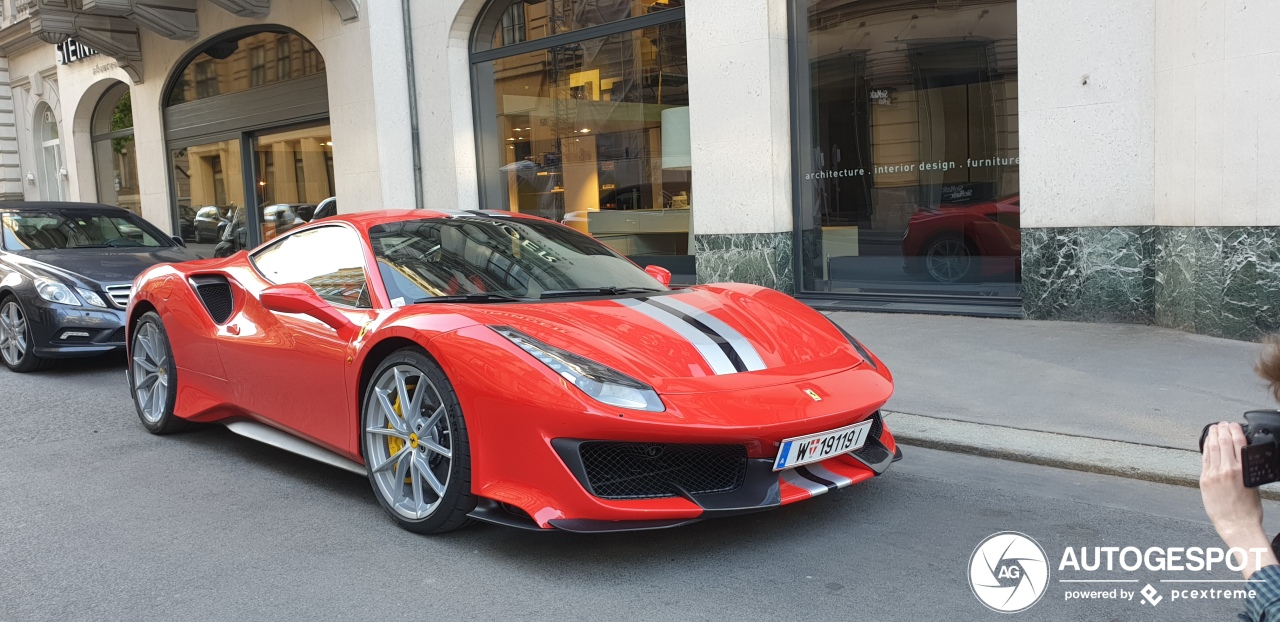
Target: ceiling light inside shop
(586, 130)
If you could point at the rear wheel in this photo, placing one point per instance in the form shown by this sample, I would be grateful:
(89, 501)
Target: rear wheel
(415, 444)
(16, 345)
(154, 377)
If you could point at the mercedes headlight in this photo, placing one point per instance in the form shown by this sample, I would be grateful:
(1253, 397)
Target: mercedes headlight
(91, 297)
(600, 382)
(54, 291)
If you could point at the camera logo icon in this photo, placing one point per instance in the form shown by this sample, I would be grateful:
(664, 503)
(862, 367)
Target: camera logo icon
(1008, 572)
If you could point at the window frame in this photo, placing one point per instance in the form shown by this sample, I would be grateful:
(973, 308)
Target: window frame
(364, 260)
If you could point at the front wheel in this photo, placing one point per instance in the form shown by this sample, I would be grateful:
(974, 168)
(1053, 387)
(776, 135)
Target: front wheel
(16, 346)
(415, 444)
(153, 376)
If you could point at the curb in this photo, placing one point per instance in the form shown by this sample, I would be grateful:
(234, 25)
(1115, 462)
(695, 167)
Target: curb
(1164, 465)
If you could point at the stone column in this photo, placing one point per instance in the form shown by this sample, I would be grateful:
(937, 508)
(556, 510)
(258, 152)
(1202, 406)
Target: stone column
(741, 200)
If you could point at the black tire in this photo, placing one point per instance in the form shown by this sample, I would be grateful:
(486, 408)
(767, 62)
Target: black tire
(451, 508)
(161, 419)
(28, 361)
(950, 258)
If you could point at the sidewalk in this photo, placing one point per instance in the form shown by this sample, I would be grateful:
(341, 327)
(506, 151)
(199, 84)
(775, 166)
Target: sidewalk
(994, 387)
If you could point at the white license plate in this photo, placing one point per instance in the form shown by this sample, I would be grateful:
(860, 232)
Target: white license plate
(818, 447)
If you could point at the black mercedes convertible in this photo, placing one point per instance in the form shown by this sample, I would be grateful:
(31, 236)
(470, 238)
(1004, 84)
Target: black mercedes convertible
(66, 274)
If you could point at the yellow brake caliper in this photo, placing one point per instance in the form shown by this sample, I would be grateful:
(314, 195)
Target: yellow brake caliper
(394, 445)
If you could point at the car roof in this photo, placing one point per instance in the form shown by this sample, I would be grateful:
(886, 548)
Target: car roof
(34, 206)
(364, 220)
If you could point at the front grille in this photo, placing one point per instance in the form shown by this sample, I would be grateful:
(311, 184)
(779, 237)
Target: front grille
(116, 336)
(120, 294)
(215, 293)
(651, 470)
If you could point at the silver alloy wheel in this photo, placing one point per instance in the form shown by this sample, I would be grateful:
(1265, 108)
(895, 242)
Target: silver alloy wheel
(150, 372)
(13, 333)
(948, 260)
(409, 442)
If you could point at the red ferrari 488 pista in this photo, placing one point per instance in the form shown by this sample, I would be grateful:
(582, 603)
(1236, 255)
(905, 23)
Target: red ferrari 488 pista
(505, 368)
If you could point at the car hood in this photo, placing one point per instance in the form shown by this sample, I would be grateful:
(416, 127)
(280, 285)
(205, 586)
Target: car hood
(706, 338)
(99, 265)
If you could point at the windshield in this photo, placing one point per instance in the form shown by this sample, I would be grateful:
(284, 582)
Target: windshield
(54, 230)
(499, 256)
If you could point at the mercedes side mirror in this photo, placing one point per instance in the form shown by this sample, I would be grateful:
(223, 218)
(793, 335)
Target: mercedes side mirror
(662, 275)
(177, 239)
(300, 298)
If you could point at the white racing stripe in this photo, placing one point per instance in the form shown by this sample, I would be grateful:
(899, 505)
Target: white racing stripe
(745, 350)
(710, 350)
(795, 479)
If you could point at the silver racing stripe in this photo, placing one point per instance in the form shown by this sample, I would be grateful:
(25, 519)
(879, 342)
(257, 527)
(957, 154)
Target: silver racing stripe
(820, 471)
(745, 350)
(707, 347)
(795, 479)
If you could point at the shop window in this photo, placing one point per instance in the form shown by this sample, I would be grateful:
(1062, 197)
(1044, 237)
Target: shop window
(114, 153)
(592, 133)
(246, 62)
(236, 186)
(508, 22)
(49, 162)
(907, 181)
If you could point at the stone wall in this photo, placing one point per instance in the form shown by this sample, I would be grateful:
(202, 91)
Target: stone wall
(1219, 281)
(759, 258)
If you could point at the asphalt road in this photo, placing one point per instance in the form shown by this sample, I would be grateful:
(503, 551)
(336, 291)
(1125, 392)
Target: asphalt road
(101, 521)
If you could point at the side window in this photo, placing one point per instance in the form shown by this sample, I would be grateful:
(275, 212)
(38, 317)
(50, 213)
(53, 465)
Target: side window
(329, 259)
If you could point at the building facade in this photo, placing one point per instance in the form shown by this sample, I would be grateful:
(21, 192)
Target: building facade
(860, 154)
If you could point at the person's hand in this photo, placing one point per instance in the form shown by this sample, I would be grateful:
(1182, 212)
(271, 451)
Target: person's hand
(1236, 511)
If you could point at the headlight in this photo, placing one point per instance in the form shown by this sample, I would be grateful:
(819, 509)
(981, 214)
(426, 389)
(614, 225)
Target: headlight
(54, 291)
(862, 351)
(91, 298)
(601, 383)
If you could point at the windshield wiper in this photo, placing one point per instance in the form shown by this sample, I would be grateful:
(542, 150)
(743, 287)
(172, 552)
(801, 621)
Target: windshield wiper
(596, 291)
(471, 298)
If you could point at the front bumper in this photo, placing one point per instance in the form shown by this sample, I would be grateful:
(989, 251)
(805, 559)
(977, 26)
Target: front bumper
(61, 331)
(762, 489)
(522, 480)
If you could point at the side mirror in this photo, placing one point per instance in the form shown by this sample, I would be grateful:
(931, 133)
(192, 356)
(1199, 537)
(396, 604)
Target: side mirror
(662, 275)
(300, 298)
(179, 241)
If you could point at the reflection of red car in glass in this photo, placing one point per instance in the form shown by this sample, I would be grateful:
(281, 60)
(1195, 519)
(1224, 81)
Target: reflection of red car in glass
(955, 243)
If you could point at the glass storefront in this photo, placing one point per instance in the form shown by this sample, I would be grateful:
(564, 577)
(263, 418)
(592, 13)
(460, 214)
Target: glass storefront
(208, 183)
(114, 155)
(593, 131)
(245, 63)
(907, 148)
(294, 174)
(250, 146)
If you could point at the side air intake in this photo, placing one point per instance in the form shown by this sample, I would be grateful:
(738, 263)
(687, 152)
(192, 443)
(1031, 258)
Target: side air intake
(215, 293)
